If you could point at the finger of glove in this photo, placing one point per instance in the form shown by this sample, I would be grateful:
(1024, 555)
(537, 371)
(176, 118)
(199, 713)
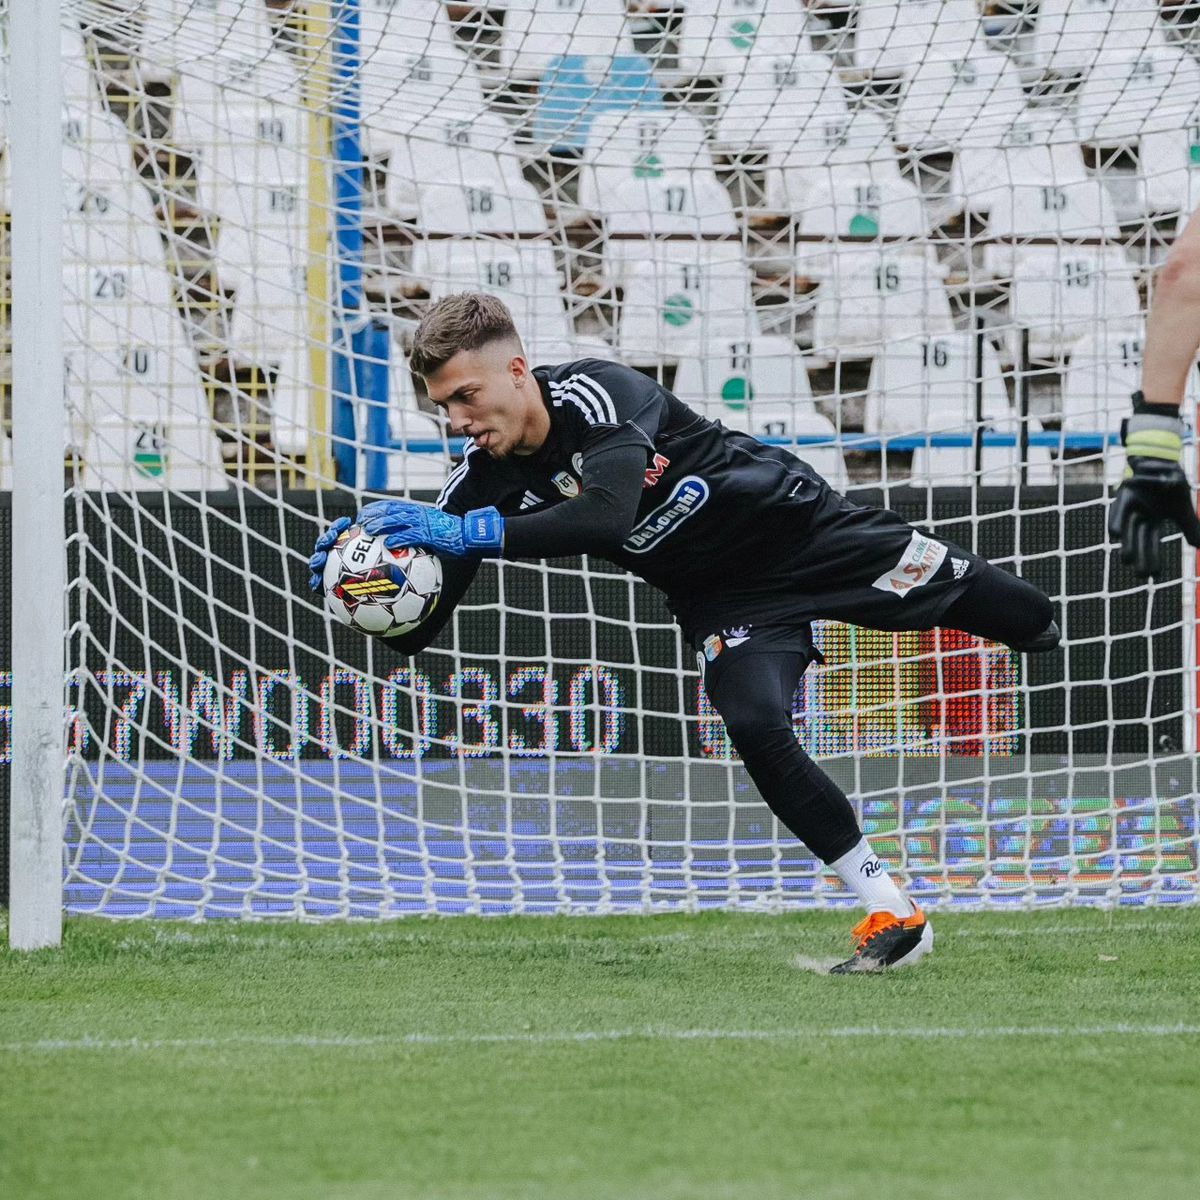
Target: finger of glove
(396, 521)
(1129, 536)
(331, 535)
(376, 508)
(316, 581)
(1189, 522)
(399, 540)
(1118, 514)
(1149, 556)
(316, 564)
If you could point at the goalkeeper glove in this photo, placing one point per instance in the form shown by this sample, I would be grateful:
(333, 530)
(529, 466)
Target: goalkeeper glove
(321, 550)
(1154, 494)
(405, 523)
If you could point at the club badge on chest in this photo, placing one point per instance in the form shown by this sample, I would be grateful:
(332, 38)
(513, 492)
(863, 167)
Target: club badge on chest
(567, 483)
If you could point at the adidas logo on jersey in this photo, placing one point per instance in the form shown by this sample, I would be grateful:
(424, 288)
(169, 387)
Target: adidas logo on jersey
(960, 567)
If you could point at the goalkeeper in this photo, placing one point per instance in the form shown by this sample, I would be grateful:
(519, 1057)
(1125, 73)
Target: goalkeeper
(746, 540)
(1154, 495)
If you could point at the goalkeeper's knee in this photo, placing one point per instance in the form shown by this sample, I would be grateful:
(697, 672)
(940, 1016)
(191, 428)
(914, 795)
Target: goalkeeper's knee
(1048, 639)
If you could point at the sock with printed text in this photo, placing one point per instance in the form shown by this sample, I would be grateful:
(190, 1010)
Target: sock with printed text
(862, 872)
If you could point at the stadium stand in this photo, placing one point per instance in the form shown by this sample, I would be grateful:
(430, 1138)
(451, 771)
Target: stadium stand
(892, 35)
(680, 296)
(877, 294)
(575, 90)
(1059, 293)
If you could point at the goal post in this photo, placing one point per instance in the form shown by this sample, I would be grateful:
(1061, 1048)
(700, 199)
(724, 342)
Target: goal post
(914, 243)
(39, 553)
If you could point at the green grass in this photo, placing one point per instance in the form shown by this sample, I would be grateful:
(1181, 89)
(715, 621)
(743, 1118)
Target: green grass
(1034, 1055)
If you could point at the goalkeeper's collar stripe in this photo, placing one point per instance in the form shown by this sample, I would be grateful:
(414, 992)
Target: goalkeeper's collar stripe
(457, 475)
(589, 396)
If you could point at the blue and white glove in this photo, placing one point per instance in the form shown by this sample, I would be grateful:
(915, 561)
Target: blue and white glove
(321, 550)
(405, 523)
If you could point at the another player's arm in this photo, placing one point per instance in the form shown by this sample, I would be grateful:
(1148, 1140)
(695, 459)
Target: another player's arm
(1154, 494)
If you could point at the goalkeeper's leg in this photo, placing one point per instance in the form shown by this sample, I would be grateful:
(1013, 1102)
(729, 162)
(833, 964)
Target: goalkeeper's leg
(753, 692)
(1003, 608)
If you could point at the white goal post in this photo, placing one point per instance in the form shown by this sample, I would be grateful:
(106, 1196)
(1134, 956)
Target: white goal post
(914, 241)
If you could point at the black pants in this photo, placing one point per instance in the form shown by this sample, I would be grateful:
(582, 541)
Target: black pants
(752, 686)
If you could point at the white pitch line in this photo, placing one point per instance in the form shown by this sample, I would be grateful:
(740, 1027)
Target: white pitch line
(584, 1036)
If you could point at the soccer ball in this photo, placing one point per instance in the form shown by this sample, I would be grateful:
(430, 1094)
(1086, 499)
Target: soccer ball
(380, 591)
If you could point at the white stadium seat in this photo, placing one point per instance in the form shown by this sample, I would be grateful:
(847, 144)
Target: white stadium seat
(1035, 146)
(851, 202)
(779, 98)
(860, 138)
(680, 296)
(1060, 293)
(893, 35)
(413, 71)
(673, 201)
(1128, 92)
(522, 274)
(449, 150)
(724, 39)
(639, 143)
(411, 470)
(1063, 211)
(874, 294)
(927, 385)
(535, 32)
(1071, 35)
(952, 102)
(1169, 169)
(183, 35)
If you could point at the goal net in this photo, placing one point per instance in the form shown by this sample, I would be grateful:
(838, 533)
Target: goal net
(911, 240)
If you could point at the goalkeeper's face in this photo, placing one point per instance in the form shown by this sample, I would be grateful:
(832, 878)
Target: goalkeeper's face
(489, 395)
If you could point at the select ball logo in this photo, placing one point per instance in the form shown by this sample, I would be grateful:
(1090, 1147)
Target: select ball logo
(380, 591)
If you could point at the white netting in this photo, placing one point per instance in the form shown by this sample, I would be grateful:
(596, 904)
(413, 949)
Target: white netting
(911, 239)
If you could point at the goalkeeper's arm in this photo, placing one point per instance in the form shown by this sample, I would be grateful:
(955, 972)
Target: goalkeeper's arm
(597, 521)
(1154, 495)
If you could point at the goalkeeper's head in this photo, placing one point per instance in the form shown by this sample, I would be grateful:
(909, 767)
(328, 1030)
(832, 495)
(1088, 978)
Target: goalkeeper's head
(470, 355)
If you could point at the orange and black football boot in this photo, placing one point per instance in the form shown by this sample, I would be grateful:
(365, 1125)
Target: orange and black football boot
(884, 940)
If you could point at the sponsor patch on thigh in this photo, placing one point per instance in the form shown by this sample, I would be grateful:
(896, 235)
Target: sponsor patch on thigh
(918, 565)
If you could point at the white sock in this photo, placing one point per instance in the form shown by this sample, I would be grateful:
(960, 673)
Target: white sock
(862, 872)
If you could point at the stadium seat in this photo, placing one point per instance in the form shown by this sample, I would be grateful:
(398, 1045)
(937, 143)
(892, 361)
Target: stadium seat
(760, 386)
(1059, 293)
(723, 39)
(574, 91)
(1169, 169)
(777, 98)
(927, 384)
(680, 296)
(536, 32)
(183, 35)
(451, 150)
(413, 72)
(861, 138)
(412, 470)
(1065, 211)
(1036, 146)
(1104, 369)
(673, 202)
(876, 294)
(949, 103)
(1131, 90)
(851, 202)
(892, 35)
(639, 144)
(522, 274)
(1071, 35)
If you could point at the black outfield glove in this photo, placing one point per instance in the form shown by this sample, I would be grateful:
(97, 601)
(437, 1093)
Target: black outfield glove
(1154, 494)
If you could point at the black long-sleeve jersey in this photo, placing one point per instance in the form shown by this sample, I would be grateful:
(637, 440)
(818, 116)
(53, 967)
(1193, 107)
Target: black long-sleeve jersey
(724, 526)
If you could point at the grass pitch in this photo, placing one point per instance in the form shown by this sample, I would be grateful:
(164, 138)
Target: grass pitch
(1034, 1055)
